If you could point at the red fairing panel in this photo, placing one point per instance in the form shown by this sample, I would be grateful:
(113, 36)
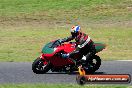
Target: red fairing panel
(69, 47)
(56, 60)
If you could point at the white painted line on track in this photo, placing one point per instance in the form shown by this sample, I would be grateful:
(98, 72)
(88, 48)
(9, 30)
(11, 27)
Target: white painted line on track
(123, 60)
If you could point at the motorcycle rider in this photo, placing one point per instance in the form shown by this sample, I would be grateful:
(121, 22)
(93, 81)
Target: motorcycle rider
(84, 44)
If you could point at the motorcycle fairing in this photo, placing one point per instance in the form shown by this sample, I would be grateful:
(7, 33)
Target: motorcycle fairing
(50, 50)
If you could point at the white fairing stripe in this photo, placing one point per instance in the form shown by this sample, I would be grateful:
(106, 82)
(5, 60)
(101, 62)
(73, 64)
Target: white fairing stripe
(86, 42)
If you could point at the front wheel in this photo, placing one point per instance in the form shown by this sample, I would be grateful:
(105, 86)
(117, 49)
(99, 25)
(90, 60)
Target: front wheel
(40, 66)
(93, 65)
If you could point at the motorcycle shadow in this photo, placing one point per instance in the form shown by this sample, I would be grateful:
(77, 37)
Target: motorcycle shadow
(72, 73)
(77, 73)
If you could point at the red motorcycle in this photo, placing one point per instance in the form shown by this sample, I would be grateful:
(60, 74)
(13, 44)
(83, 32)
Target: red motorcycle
(51, 59)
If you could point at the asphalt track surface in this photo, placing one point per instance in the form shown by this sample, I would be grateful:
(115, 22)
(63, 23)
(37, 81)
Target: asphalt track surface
(21, 72)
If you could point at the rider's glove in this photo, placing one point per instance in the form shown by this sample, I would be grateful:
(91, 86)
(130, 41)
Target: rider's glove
(65, 56)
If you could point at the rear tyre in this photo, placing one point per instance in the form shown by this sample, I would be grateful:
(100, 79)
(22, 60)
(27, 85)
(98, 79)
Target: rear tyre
(40, 66)
(93, 65)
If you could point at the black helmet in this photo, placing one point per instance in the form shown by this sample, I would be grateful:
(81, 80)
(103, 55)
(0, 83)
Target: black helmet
(75, 30)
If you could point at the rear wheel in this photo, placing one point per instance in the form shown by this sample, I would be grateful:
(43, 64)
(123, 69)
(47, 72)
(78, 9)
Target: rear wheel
(93, 65)
(40, 66)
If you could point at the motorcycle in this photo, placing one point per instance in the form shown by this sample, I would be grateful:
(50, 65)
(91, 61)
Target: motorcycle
(51, 59)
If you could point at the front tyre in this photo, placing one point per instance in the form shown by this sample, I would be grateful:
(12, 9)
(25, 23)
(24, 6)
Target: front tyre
(40, 66)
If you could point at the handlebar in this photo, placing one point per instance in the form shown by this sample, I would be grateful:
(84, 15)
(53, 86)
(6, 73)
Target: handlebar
(55, 44)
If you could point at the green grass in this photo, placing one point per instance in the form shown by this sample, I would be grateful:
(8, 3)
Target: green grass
(68, 10)
(25, 44)
(26, 25)
(60, 86)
